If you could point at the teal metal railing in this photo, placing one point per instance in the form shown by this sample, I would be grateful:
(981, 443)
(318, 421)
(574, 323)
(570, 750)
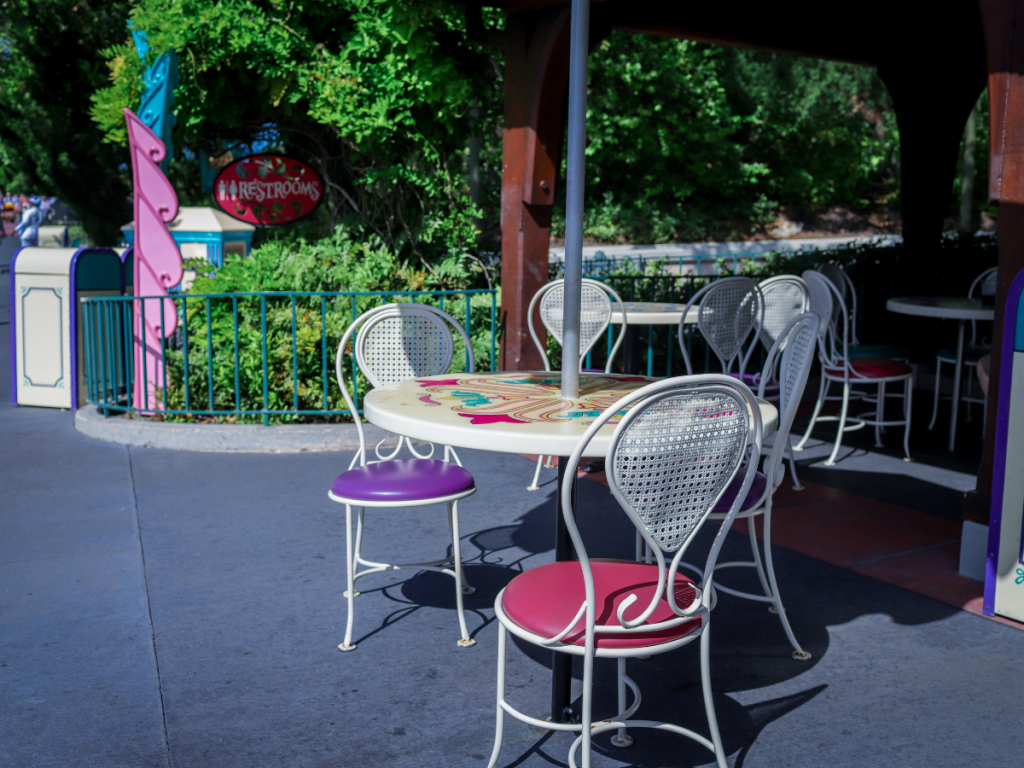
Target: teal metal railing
(253, 357)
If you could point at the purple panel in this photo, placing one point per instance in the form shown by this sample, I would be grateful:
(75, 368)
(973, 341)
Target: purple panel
(995, 518)
(14, 334)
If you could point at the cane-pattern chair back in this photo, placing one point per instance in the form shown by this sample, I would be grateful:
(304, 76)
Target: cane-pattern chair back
(396, 342)
(674, 455)
(403, 343)
(728, 312)
(785, 298)
(844, 287)
(795, 346)
(596, 304)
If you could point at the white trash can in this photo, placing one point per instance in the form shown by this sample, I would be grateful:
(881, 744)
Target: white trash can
(46, 320)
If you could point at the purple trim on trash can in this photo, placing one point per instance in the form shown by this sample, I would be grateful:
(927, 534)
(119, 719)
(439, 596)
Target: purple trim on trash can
(995, 517)
(14, 333)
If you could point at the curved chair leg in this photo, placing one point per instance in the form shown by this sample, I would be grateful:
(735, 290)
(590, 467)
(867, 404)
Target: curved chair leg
(709, 704)
(842, 425)
(350, 565)
(622, 737)
(467, 588)
(880, 415)
(358, 549)
(453, 509)
(798, 653)
(797, 486)
(935, 403)
(908, 390)
(536, 476)
(499, 725)
(756, 551)
(586, 708)
(822, 391)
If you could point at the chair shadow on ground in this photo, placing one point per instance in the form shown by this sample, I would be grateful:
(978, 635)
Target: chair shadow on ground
(749, 649)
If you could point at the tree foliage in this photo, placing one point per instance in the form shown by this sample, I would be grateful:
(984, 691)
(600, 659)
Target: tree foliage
(375, 94)
(683, 136)
(50, 64)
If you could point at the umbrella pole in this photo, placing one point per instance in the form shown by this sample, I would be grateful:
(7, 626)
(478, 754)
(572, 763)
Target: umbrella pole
(577, 139)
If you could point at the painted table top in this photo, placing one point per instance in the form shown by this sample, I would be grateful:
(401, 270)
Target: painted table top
(949, 307)
(654, 313)
(508, 412)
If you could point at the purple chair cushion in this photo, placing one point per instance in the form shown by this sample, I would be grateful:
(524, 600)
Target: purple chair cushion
(403, 480)
(756, 491)
(753, 380)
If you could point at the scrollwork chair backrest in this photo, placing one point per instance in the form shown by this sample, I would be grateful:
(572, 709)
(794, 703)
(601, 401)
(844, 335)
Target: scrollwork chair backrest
(669, 460)
(396, 342)
(785, 297)
(728, 310)
(596, 304)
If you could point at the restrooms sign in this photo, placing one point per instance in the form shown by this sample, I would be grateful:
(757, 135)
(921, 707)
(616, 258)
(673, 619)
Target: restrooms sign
(268, 190)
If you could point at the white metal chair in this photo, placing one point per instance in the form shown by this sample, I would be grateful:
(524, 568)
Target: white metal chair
(669, 461)
(794, 348)
(595, 316)
(838, 367)
(785, 298)
(976, 349)
(844, 285)
(393, 343)
(727, 311)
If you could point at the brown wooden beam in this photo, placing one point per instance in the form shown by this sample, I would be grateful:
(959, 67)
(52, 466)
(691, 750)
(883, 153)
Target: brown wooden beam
(1004, 42)
(536, 78)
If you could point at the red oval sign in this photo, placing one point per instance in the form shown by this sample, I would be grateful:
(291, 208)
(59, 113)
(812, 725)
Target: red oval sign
(268, 190)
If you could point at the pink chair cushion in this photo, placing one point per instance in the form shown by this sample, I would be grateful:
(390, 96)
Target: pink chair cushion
(543, 600)
(753, 496)
(875, 368)
(403, 480)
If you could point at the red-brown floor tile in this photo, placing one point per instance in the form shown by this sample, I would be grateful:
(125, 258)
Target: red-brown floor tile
(850, 530)
(811, 492)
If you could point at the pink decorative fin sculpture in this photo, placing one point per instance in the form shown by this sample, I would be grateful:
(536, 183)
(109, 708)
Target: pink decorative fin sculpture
(157, 261)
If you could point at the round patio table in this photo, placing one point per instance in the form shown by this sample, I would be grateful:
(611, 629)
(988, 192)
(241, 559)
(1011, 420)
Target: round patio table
(649, 313)
(654, 313)
(947, 308)
(514, 412)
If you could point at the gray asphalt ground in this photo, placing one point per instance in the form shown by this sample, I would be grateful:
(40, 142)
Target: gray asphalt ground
(163, 608)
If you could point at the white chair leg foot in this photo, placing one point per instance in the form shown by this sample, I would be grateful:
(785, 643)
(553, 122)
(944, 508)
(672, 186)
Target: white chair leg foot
(801, 655)
(347, 646)
(468, 642)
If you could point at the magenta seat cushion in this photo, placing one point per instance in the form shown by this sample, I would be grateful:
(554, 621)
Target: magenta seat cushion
(403, 480)
(543, 600)
(875, 368)
(753, 496)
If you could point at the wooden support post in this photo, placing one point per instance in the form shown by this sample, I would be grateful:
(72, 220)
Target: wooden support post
(1004, 38)
(536, 78)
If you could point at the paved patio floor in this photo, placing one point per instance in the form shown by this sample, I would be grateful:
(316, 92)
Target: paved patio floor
(164, 608)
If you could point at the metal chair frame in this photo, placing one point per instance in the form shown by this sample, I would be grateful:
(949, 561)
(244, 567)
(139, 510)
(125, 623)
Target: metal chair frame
(599, 297)
(394, 335)
(742, 307)
(844, 284)
(794, 349)
(965, 397)
(785, 299)
(833, 353)
(666, 433)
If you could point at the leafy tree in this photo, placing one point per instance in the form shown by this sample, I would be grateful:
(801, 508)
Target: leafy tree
(687, 139)
(375, 94)
(50, 64)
